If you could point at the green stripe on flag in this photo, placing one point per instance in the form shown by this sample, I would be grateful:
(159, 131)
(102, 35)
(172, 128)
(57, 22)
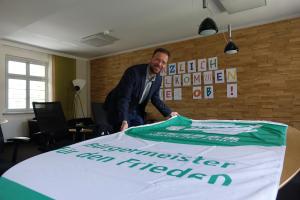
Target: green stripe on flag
(10, 190)
(213, 132)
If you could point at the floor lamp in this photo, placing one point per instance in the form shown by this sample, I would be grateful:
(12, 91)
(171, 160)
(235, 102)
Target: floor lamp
(78, 85)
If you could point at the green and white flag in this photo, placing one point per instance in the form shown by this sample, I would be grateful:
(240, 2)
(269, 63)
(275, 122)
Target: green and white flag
(178, 159)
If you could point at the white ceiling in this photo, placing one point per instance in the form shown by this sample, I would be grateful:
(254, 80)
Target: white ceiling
(59, 25)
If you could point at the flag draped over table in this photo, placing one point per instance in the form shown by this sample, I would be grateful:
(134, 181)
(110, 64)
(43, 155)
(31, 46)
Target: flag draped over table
(178, 159)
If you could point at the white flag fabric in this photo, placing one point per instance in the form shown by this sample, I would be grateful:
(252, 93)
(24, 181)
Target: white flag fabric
(178, 159)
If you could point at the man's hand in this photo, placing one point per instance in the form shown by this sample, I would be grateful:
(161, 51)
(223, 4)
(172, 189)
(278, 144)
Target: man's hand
(124, 126)
(172, 114)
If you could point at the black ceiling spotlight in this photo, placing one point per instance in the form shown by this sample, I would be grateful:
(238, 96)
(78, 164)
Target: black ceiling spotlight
(208, 26)
(230, 48)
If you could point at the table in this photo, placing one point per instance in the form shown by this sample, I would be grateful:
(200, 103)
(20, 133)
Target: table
(108, 161)
(292, 156)
(79, 133)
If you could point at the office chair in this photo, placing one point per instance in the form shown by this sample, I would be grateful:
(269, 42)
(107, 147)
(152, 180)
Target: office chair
(4, 164)
(291, 190)
(100, 119)
(52, 125)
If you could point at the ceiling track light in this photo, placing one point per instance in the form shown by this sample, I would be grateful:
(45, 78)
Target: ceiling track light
(230, 48)
(208, 26)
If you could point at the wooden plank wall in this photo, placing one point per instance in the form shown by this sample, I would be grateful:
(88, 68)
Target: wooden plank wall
(268, 71)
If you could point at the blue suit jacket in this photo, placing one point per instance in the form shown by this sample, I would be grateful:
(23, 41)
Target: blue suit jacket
(125, 97)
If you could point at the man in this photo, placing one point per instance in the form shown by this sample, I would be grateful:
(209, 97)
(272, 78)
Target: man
(127, 101)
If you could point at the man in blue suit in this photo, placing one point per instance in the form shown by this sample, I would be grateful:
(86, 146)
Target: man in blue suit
(126, 103)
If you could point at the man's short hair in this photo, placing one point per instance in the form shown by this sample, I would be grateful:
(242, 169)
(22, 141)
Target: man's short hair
(161, 50)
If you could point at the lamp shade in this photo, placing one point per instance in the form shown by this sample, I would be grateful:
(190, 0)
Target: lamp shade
(231, 48)
(208, 27)
(78, 84)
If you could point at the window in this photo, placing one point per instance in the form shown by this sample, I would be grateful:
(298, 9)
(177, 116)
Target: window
(26, 81)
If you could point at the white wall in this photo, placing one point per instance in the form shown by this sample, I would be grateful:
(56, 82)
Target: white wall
(17, 123)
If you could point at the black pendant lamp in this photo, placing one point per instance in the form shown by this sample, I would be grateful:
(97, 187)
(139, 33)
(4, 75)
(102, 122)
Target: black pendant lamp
(230, 48)
(208, 26)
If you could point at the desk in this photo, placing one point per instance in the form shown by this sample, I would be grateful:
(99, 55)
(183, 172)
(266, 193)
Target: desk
(292, 156)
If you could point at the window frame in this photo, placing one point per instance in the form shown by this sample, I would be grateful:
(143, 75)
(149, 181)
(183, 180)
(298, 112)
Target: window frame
(27, 78)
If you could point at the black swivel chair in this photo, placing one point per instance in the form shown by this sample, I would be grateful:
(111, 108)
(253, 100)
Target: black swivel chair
(100, 119)
(4, 163)
(52, 124)
(291, 190)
